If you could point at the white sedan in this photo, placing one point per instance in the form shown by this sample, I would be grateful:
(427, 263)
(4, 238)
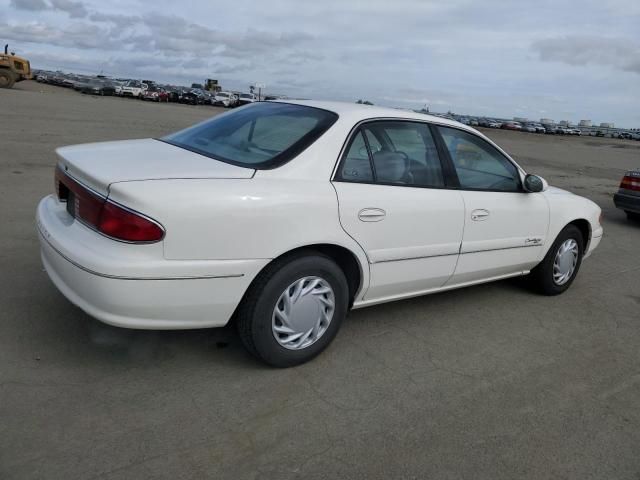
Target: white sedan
(283, 216)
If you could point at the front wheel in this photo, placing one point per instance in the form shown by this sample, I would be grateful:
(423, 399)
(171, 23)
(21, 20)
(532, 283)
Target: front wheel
(555, 274)
(293, 309)
(7, 79)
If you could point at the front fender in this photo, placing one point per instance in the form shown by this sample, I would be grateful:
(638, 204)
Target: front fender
(565, 208)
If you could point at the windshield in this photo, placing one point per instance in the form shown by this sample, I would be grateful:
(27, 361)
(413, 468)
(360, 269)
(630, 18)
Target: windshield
(245, 95)
(262, 135)
(225, 95)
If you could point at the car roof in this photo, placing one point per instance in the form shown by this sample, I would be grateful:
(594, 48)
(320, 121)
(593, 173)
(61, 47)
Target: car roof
(359, 112)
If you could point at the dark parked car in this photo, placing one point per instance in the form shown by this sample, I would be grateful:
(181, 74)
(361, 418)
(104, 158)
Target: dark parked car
(174, 95)
(191, 97)
(98, 88)
(628, 196)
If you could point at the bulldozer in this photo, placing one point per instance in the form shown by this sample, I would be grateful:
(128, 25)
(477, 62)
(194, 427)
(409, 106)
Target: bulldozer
(13, 69)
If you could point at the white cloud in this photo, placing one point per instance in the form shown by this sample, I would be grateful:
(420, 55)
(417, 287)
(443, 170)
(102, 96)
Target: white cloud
(619, 53)
(489, 57)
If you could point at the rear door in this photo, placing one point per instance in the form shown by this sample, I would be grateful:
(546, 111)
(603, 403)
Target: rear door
(395, 202)
(505, 227)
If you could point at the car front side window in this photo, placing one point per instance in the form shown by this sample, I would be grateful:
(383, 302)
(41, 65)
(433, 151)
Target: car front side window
(478, 164)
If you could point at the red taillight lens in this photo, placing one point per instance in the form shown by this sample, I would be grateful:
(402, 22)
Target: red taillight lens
(87, 206)
(630, 183)
(97, 212)
(120, 223)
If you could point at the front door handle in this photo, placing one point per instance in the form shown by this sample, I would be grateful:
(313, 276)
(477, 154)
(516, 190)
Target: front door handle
(371, 214)
(480, 215)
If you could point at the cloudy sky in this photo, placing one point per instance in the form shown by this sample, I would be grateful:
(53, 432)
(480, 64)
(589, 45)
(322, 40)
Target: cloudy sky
(546, 58)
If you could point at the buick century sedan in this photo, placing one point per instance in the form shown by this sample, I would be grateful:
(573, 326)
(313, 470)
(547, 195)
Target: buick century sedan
(282, 217)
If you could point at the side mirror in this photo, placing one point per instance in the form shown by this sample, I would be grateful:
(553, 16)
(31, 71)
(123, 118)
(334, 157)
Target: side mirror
(535, 184)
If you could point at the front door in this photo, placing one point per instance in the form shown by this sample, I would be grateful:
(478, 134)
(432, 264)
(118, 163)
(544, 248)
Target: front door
(505, 227)
(394, 202)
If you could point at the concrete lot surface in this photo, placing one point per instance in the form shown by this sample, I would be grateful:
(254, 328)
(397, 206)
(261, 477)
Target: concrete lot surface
(490, 382)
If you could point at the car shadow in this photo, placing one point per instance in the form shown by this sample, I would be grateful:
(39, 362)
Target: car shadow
(621, 219)
(140, 348)
(97, 341)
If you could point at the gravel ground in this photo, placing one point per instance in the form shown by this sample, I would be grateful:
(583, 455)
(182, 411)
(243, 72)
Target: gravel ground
(490, 382)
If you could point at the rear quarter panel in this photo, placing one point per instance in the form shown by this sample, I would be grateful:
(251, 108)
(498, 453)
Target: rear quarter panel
(226, 219)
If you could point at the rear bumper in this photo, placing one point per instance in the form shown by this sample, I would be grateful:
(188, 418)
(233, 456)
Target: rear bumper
(629, 203)
(147, 297)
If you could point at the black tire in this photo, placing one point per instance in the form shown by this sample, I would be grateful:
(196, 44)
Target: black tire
(254, 315)
(633, 216)
(541, 276)
(7, 79)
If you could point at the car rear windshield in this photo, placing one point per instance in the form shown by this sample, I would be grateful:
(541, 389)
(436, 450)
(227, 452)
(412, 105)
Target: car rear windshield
(262, 135)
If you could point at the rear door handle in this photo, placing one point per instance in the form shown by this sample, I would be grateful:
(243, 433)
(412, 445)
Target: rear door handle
(371, 214)
(480, 215)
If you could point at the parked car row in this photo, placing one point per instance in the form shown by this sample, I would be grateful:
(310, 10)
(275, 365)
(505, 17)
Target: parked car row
(535, 127)
(146, 90)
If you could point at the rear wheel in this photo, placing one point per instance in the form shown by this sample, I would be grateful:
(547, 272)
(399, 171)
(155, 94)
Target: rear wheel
(293, 309)
(559, 268)
(7, 79)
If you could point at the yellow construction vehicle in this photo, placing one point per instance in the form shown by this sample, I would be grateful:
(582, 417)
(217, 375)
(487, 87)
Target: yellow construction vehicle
(212, 85)
(13, 69)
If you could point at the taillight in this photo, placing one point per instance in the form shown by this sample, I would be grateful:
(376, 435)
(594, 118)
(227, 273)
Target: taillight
(630, 183)
(103, 215)
(118, 222)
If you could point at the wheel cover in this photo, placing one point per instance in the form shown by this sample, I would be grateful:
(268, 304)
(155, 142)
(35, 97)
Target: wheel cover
(303, 313)
(564, 265)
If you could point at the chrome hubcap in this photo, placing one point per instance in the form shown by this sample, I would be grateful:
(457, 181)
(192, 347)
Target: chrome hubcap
(565, 262)
(303, 313)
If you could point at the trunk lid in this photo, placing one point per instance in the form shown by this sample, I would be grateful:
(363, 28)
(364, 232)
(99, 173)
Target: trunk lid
(98, 165)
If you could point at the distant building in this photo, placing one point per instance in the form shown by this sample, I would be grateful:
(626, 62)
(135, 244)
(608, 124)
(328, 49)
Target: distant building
(547, 121)
(564, 123)
(607, 125)
(520, 119)
(585, 123)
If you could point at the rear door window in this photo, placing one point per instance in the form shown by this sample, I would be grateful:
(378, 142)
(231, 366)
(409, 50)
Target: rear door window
(398, 153)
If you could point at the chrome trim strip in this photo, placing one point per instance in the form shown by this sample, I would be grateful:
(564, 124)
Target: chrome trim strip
(121, 277)
(504, 248)
(461, 253)
(414, 258)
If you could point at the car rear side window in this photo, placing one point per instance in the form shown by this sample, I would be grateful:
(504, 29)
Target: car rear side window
(397, 152)
(262, 135)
